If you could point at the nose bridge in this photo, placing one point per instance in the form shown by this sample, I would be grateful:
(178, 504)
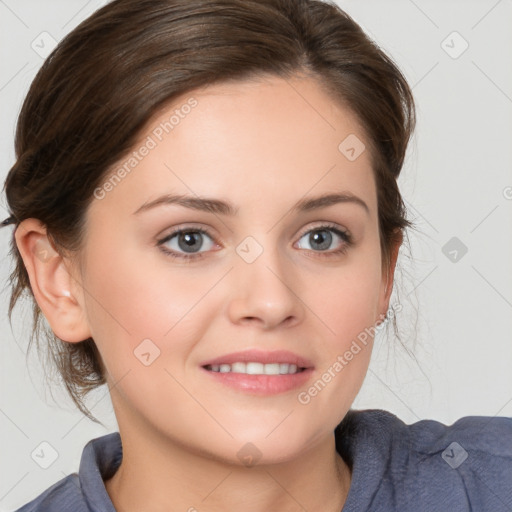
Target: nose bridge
(264, 281)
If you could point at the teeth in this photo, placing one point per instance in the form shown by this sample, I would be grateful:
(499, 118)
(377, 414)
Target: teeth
(238, 367)
(271, 368)
(253, 368)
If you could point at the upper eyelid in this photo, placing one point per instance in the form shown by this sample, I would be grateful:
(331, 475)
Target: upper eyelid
(326, 225)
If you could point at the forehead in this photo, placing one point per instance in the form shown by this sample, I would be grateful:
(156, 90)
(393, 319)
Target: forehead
(251, 141)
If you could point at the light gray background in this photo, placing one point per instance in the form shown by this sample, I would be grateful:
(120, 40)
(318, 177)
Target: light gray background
(457, 182)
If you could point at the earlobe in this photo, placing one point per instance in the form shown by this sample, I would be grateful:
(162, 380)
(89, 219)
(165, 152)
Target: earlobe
(58, 293)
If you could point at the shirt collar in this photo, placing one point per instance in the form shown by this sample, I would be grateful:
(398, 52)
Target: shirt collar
(362, 439)
(100, 459)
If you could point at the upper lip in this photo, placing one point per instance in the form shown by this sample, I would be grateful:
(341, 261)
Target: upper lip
(260, 356)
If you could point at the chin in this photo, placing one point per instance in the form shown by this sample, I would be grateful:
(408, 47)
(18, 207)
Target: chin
(253, 449)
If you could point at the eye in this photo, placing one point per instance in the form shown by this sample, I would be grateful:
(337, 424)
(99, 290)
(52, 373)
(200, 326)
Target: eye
(186, 243)
(188, 240)
(321, 239)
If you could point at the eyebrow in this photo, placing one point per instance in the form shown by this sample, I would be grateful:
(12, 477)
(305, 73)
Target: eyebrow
(218, 206)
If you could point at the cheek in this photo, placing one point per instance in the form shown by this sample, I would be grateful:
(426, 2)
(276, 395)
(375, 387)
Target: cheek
(131, 297)
(347, 310)
(349, 300)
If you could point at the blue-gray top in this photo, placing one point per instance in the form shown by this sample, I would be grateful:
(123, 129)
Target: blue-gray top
(424, 466)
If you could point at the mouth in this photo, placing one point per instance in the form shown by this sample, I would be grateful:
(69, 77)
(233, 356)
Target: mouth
(258, 372)
(255, 368)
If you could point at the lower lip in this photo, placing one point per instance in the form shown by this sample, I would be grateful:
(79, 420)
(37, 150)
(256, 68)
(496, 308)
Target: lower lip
(262, 384)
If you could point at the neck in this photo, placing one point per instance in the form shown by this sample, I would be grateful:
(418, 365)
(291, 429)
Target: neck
(154, 478)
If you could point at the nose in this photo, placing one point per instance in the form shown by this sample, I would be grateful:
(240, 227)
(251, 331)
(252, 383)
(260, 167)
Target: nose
(265, 292)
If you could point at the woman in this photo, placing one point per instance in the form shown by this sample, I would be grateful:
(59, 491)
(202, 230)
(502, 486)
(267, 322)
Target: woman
(271, 135)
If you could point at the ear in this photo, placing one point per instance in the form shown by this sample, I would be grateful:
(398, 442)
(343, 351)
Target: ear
(388, 274)
(57, 292)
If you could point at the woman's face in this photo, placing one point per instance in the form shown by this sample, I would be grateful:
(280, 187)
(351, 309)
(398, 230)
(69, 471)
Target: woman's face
(267, 276)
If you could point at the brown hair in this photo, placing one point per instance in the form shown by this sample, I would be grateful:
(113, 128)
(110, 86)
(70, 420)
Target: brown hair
(109, 76)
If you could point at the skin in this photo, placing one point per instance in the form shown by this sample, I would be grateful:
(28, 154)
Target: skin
(263, 145)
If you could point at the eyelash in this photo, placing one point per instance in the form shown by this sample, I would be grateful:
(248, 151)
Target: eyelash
(345, 236)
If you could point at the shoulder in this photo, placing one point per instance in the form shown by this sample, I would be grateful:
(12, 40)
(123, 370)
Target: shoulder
(428, 465)
(474, 453)
(63, 495)
(83, 491)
